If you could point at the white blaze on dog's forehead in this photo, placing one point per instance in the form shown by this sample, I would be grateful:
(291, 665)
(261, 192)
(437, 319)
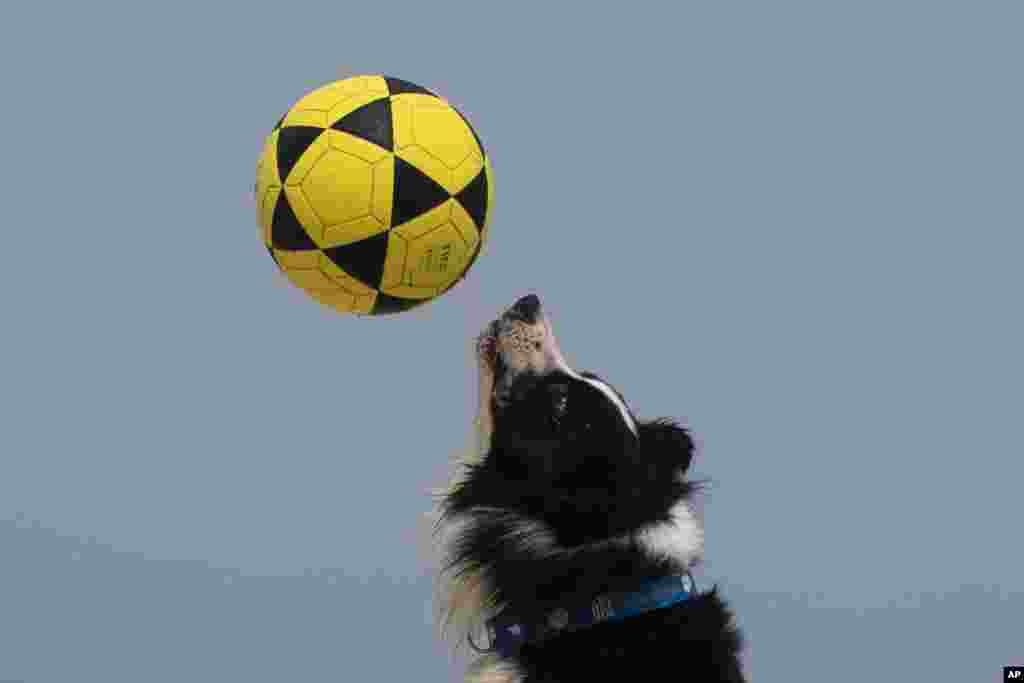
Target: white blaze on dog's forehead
(614, 398)
(559, 362)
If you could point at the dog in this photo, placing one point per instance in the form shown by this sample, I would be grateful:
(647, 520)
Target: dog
(567, 533)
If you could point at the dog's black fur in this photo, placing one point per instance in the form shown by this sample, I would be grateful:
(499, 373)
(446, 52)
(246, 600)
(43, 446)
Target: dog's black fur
(553, 509)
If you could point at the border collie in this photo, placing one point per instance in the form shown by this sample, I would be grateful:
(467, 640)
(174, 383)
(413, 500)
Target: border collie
(567, 533)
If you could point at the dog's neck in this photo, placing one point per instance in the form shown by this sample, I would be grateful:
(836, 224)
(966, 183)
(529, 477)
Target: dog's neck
(509, 632)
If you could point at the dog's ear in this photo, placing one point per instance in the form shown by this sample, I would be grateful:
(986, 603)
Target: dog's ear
(666, 440)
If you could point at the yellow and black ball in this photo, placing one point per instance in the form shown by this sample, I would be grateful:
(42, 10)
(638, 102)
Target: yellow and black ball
(374, 195)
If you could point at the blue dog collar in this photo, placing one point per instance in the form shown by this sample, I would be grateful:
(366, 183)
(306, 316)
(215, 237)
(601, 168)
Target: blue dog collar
(508, 633)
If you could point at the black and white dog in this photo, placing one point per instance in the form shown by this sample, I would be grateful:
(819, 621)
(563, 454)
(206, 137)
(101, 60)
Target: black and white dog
(567, 533)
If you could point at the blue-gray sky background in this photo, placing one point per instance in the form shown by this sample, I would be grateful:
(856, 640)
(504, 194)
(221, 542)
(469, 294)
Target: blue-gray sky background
(795, 225)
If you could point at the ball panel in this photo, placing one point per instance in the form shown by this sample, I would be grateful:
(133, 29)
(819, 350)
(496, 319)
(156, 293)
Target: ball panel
(298, 151)
(344, 280)
(436, 258)
(339, 187)
(397, 86)
(479, 144)
(266, 179)
(270, 250)
(401, 123)
(415, 193)
(353, 231)
(363, 260)
(266, 167)
(466, 172)
(429, 167)
(332, 94)
(403, 116)
(312, 118)
(338, 299)
(386, 304)
(394, 262)
(310, 279)
(443, 133)
(370, 121)
(482, 230)
(265, 217)
(425, 222)
(364, 304)
(473, 198)
(357, 147)
(410, 291)
(469, 264)
(286, 231)
(466, 226)
(298, 260)
(305, 216)
(383, 198)
(292, 144)
(315, 274)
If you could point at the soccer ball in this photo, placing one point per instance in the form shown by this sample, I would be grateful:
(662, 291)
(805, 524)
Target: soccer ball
(373, 195)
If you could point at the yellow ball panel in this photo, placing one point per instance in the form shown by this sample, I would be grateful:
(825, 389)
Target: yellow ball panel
(364, 304)
(338, 299)
(353, 231)
(343, 302)
(410, 291)
(404, 110)
(442, 132)
(437, 258)
(394, 262)
(331, 94)
(383, 189)
(463, 222)
(464, 173)
(266, 211)
(339, 187)
(266, 167)
(372, 83)
(309, 278)
(305, 212)
(402, 120)
(357, 147)
(300, 260)
(267, 185)
(305, 117)
(415, 99)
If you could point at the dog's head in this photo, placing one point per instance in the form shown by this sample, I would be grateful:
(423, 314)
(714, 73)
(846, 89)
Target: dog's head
(564, 444)
(538, 394)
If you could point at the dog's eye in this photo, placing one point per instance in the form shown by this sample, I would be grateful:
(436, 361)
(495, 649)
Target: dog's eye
(559, 399)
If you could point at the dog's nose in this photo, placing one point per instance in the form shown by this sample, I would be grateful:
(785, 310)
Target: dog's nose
(526, 308)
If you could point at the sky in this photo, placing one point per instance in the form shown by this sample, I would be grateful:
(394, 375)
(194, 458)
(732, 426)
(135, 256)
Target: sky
(795, 226)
